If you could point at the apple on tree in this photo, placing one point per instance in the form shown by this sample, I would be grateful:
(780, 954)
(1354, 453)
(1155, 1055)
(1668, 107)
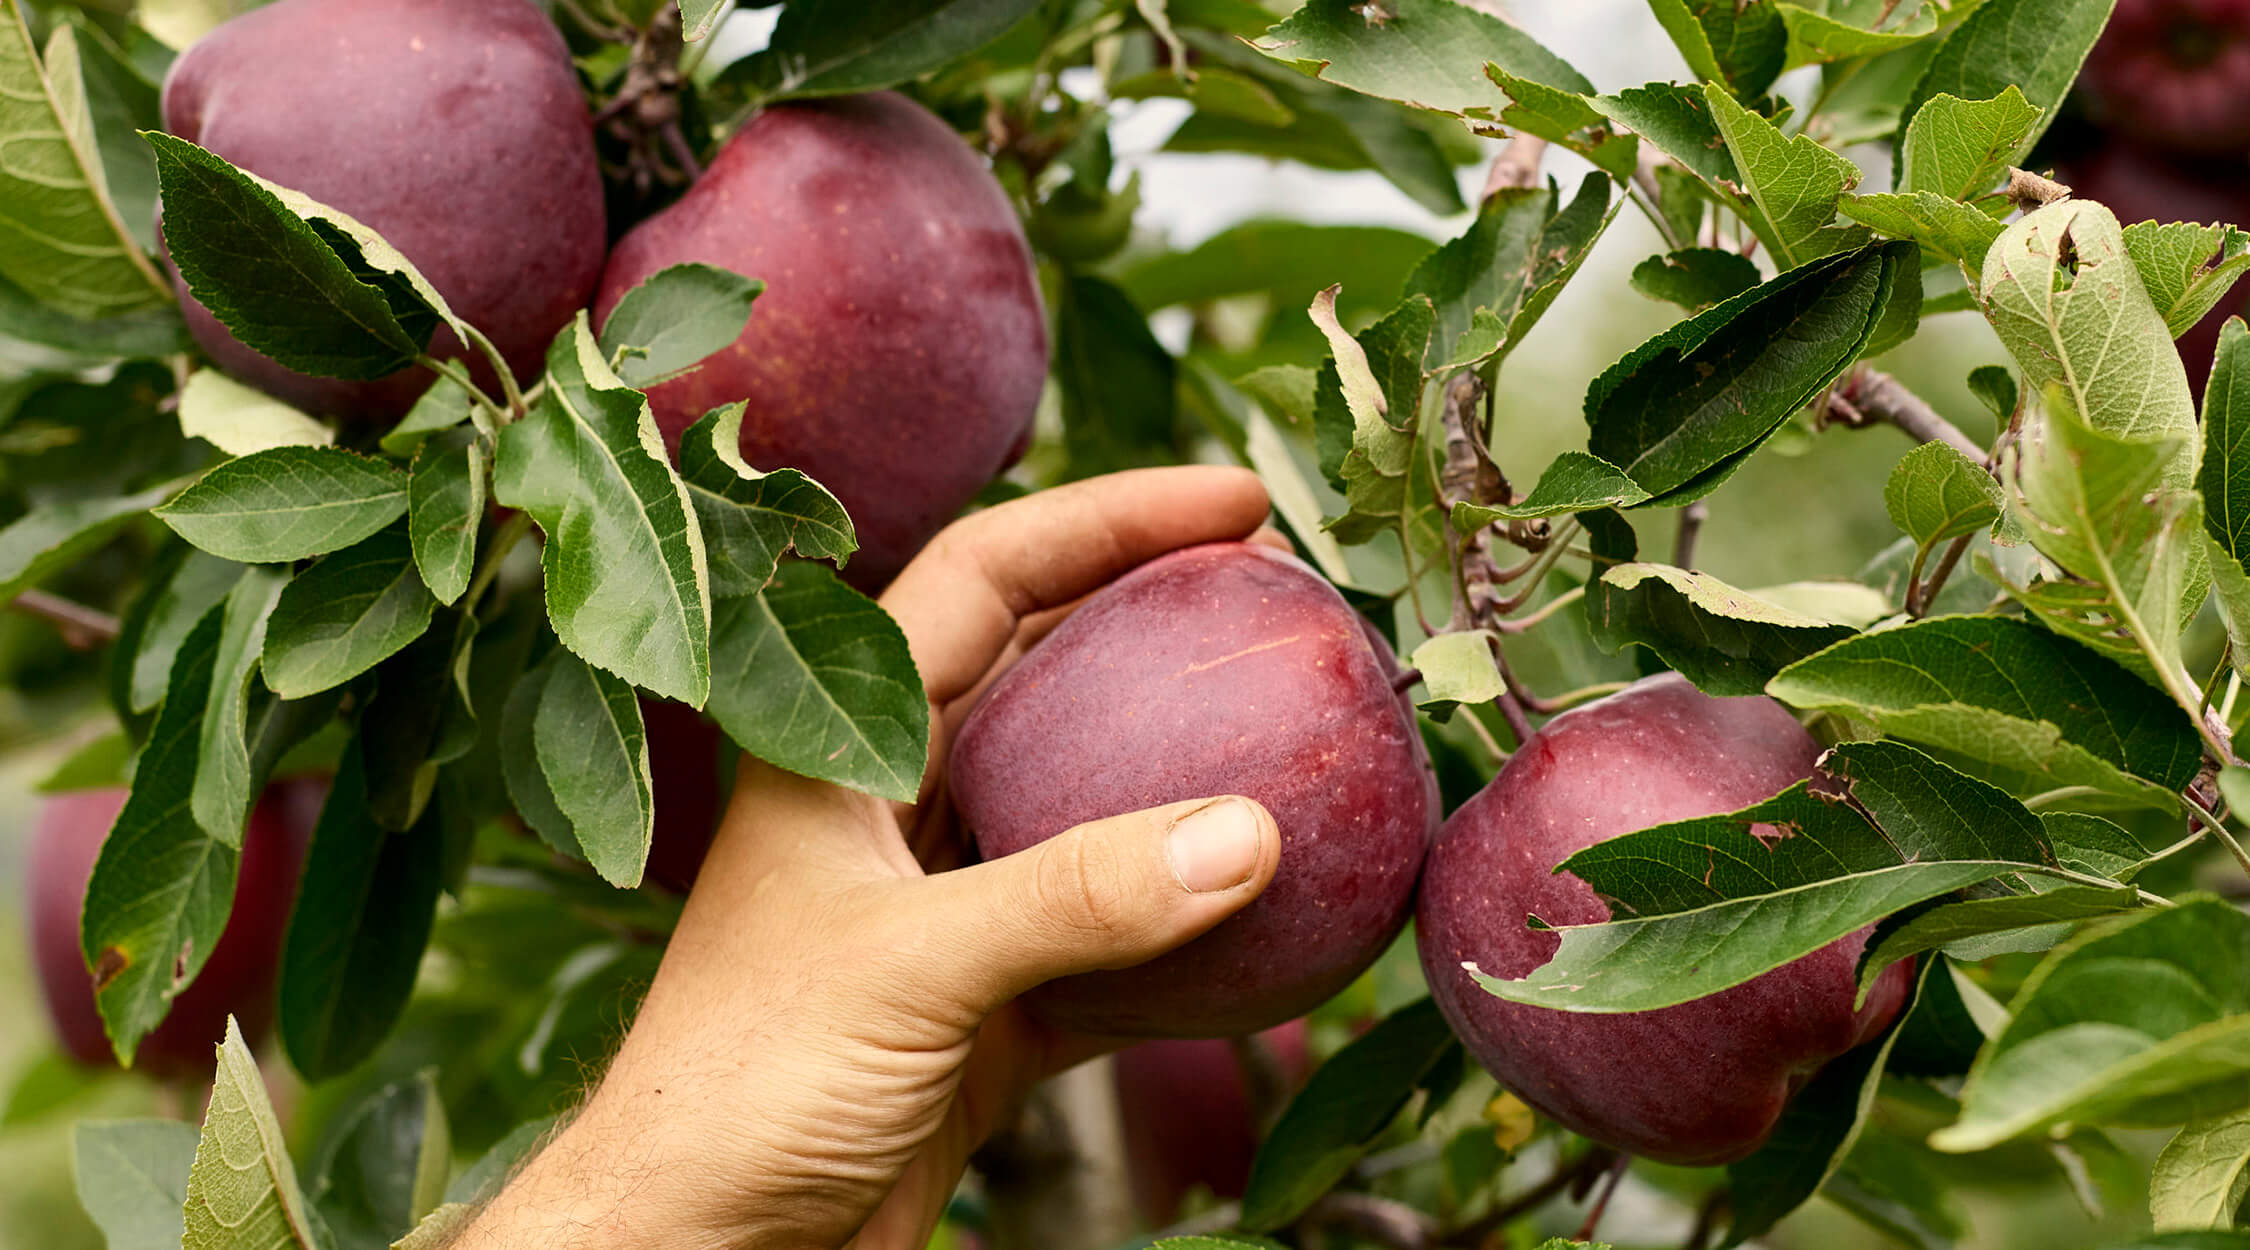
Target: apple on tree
(456, 131)
(236, 980)
(1189, 1121)
(899, 349)
(1700, 1083)
(1222, 669)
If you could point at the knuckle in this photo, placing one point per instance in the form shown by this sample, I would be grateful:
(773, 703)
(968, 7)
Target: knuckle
(1087, 890)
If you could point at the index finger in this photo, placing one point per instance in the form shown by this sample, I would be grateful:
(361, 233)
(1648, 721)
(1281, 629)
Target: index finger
(962, 599)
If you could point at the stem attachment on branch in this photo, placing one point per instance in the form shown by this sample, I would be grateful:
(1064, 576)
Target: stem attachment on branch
(1872, 397)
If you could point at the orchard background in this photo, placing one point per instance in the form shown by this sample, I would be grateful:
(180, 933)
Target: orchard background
(1190, 192)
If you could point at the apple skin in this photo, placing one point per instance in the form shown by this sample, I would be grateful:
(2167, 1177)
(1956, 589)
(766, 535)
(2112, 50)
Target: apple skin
(455, 130)
(1222, 669)
(1696, 1084)
(899, 349)
(684, 751)
(2175, 73)
(238, 978)
(2140, 185)
(1187, 1119)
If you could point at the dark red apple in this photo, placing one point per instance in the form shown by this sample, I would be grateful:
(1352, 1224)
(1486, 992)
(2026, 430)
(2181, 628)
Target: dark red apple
(1221, 669)
(455, 130)
(2176, 73)
(2139, 185)
(1699, 1083)
(898, 352)
(684, 754)
(1187, 1116)
(238, 978)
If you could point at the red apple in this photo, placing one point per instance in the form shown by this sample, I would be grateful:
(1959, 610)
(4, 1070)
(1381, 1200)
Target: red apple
(238, 978)
(1188, 1119)
(1700, 1083)
(898, 352)
(456, 130)
(1221, 669)
(684, 753)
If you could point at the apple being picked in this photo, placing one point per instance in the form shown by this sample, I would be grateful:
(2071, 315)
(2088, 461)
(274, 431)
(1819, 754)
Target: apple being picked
(236, 980)
(455, 130)
(1188, 1117)
(1699, 1083)
(899, 349)
(1222, 669)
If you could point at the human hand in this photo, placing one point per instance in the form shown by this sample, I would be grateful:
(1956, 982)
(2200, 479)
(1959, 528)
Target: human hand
(832, 1030)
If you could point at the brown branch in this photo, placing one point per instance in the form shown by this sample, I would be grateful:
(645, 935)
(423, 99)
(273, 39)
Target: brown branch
(1568, 1174)
(1692, 518)
(1921, 594)
(2031, 191)
(1516, 167)
(1263, 1078)
(1384, 1221)
(82, 628)
(1872, 397)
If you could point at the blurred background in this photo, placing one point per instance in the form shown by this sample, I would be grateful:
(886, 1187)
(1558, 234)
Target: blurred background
(1813, 511)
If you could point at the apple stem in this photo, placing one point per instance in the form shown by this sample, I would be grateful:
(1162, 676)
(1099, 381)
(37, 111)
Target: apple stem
(1610, 1183)
(1405, 680)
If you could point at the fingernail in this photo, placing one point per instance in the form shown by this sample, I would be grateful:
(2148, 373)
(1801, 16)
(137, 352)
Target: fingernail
(1215, 847)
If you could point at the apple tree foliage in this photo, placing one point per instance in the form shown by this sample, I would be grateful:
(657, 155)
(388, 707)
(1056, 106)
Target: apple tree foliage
(2034, 774)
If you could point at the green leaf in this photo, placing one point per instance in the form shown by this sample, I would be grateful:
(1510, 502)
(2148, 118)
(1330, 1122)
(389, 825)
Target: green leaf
(1817, 1131)
(61, 238)
(243, 1189)
(750, 518)
(1118, 384)
(2187, 269)
(674, 320)
(133, 1179)
(1214, 1243)
(1367, 408)
(1678, 121)
(385, 1166)
(1936, 493)
(1790, 185)
(1959, 149)
(2067, 301)
(1565, 118)
(238, 420)
(1716, 901)
(624, 557)
(425, 711)
(1575, 481)
(445, 503)
(1846, 30)
(1339, 1113)
(1726, 641)
(1948, 230)
(1290, 260)
(290, 277)
(1736, 45)
(2139, 1023)
(1458, 668)
(1333, 129)
(526, 779)
(161, 888)
(1954, 684)
(355, 939)
(2202, 1175)
(835, 47)
(593, 751)
(290, 503)
(2035, 46)
(2224, 477)
(2090, 844)
(50, 538)
(1996, 387)
(443, 406)
(150, 334)
(183, 586)
(1948, 923)
(1512, 261)
(1683, 409)
(1425, 53)
(1695, 277)
(225, 778)
(346, 614)
(812, 676)
(2099, 507)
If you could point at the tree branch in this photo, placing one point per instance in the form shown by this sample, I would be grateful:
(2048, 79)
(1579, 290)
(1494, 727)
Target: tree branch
(1872, 397)
(82, 628)
(1516, 167)
(1692, 518)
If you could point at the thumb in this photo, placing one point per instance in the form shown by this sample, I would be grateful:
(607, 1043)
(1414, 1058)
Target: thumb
(1107, 894)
